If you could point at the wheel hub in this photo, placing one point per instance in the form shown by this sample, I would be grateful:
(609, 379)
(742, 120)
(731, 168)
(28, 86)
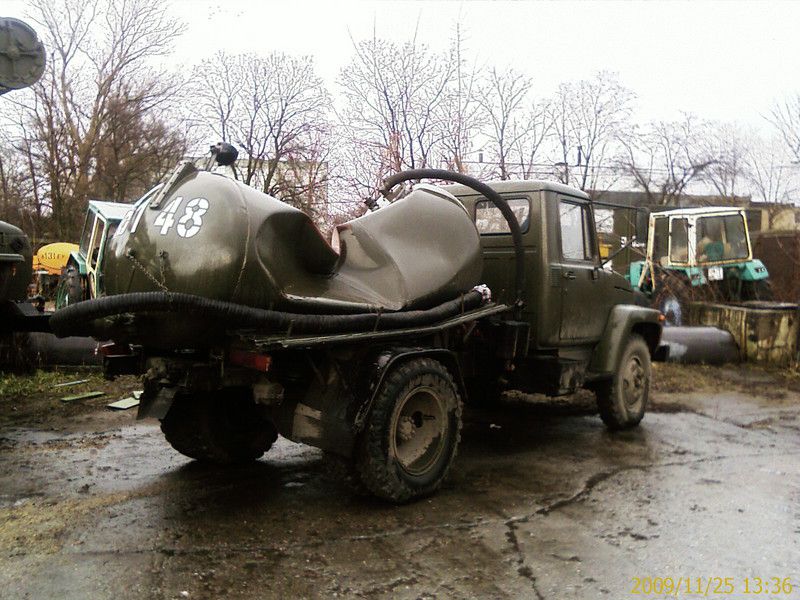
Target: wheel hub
(418, 430)
(406, 429)
(633, 382)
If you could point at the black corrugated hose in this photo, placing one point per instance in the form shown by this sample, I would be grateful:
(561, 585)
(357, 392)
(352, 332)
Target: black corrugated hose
(78, 319)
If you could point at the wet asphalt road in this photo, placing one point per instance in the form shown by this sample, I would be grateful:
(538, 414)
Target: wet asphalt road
(542, 503)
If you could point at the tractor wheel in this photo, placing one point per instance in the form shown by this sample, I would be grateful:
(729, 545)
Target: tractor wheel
(623, 399)
(672, 298)
(70, 287)
(220, 427)
(412, 432)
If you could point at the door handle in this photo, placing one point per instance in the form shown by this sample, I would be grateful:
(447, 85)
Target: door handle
(569, 274)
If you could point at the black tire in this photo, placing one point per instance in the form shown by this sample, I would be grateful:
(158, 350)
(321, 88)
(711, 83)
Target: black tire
(220, 427)
(672, 299)
(392, 467)
(623, 399)
(70, 287)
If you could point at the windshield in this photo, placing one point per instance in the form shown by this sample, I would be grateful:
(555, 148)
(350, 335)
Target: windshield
(721, 238)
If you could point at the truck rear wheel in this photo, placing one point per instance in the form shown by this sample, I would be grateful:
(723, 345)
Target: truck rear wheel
(412, 432)
(220, 427)
(623, 399)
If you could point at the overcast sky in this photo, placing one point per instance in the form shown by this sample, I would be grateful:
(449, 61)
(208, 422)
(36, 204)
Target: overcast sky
(720, 60)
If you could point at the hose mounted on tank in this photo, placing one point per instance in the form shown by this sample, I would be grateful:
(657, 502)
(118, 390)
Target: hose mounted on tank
(492, 196)
(84, 317)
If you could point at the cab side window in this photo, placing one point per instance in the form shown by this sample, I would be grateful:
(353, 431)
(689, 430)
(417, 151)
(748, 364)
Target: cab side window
(576, 231)
(489, 220)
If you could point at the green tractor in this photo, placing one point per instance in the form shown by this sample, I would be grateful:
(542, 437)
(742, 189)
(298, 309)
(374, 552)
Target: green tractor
(82, 278)
(698, 254)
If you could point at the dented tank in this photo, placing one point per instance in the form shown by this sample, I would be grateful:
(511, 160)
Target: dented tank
(206, 234)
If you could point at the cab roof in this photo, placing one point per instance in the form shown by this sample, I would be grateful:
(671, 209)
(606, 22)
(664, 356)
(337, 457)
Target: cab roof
(701, 210)
(112, 211)
(518, 186)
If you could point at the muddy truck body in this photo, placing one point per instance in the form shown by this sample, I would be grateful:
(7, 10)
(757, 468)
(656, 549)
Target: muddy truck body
(245, 323)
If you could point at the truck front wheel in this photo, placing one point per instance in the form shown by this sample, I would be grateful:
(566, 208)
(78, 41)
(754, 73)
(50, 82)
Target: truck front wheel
(412, 432)
(220, 427)
(622, 400)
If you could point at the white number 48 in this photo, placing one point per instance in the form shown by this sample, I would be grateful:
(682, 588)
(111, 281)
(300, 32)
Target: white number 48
(190, 222)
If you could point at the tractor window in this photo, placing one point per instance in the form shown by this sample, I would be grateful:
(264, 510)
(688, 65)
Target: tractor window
(721, 238)
(679, 241)
(661, 240)
(489, 220)
(576, 238)
(96, 241)
(87, 232)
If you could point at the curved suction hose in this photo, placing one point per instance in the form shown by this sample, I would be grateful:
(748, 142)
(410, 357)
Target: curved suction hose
(492, 196)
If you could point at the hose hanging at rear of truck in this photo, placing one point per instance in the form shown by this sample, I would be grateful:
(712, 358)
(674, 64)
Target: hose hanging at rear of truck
(76, 318)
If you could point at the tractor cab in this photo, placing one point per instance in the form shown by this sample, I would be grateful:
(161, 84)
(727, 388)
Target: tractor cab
(82, 278)
(698, 254)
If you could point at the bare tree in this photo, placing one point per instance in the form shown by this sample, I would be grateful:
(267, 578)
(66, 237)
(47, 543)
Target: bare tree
(727, 146)
(589, 118)
(785, 116)
(461, 114)
(504, 98)
(393, 100)
(664, 159)
(96, 119)
(517, 126)
(771, 179)
(275, 108)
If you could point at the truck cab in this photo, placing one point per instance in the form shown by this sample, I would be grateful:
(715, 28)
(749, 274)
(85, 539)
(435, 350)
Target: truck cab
(570, 299)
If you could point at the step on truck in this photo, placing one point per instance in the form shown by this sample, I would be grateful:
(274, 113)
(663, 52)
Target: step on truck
(246, 324)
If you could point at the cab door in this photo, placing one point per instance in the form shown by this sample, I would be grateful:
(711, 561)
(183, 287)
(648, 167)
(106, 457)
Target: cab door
(94, 254)
(585, 293)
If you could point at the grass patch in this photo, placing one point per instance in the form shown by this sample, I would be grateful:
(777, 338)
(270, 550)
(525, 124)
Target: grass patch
(41, 382)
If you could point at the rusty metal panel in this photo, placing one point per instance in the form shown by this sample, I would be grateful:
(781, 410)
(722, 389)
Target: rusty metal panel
(765, 332)
(780, 253)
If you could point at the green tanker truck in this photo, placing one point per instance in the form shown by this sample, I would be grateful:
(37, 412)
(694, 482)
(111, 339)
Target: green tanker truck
(245, 323)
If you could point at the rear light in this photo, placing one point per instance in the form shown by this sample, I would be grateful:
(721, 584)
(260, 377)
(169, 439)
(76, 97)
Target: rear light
(113, 349)
(250, 360)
